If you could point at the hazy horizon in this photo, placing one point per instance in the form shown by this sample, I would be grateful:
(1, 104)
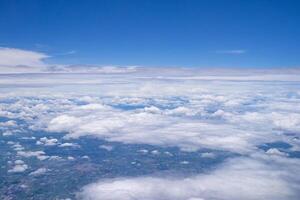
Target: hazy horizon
(149, 100)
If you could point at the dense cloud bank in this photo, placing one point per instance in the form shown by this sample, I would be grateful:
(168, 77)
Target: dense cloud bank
(236, 179)
(241, 114)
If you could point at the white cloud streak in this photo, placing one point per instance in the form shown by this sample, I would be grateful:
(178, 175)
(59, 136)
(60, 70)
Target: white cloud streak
(236, 51)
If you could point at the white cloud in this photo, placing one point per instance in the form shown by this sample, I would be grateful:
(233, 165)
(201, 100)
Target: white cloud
(274, 151)
(68, 144)
(55, 158)
(7, 133)
(190, 111)
(43, 157)
(47, 141)
(70, 158)
(17, 147)
(85, 157)
(92, 106)
(158, 129)
(10, 123)
(63, 122)
(236, 179)
(39, 172)
(14, 57)
(144, 151)
(19, 162)
(19, 167)
(184, 162)
(287, 121)
(106, 147)
(155, 152)
(219, 115)
(208, 155)
(13, 60)
(38, 154)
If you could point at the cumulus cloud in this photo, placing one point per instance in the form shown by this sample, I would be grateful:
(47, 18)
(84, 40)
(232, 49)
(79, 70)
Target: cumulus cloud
(68, 144)
(190, 114)
(41, 155)
(192, 111)
(39, 172)
(155, 128)
(236, 179)
(63, 122)
(47, 141)
(28, 154)
(55, 158)
(19, 167)
(16, 146)
(274, 151)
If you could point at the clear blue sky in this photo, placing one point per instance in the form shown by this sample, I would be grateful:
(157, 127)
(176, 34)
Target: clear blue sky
(191, 33)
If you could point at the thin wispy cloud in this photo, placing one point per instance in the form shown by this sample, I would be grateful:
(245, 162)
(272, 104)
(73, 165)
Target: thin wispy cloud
(235, 51)
(67, 53)
(41, 46)
(71, 52)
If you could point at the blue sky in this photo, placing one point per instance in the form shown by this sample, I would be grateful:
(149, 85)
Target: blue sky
(198, 33)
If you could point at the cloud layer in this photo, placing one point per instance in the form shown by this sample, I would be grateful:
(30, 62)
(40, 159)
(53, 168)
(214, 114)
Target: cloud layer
(236, 179)
(243, 114)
